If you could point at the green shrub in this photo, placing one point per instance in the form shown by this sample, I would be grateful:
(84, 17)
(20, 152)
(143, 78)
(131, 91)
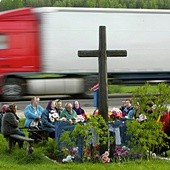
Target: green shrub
(52, 151)
(148, 135)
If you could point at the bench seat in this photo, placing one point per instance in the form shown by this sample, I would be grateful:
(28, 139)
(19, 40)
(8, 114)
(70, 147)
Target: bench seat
(14, 137)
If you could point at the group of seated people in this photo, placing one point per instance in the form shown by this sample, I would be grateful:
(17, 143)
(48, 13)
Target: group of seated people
(44, 118)
(37, 117)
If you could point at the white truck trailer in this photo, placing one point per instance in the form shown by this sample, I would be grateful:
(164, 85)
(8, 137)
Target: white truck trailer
(59, 33)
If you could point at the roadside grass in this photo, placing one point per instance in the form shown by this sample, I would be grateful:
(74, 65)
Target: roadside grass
(19, 160)
(113, 89)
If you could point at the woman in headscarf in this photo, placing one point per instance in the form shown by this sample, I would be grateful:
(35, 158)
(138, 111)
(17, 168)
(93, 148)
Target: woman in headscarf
(78, 108)
(48, 118)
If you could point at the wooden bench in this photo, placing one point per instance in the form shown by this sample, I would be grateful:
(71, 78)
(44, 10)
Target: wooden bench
(12, 139)
(43, 134)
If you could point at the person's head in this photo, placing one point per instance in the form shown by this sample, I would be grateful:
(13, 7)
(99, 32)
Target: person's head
(35, 101)
(13, 108)
(68, 107)
(76, 104)
(136, 106)
(51, 105)
(58, 104)
(123, 103)
(128, 102)
(4, 108)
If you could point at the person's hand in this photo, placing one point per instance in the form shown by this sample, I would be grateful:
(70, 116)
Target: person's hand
(38, 119)
(17, 117)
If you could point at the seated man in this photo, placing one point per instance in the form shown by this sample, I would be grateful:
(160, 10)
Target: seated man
(68, 113)
(32, 114)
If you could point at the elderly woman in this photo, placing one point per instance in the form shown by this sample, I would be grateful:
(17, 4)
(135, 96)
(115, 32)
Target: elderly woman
(3, 110)
(69, 113)
(58, 106)
(48, 118)
(10, 122)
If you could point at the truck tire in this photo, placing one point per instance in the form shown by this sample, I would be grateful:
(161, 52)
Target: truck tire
(12, 89)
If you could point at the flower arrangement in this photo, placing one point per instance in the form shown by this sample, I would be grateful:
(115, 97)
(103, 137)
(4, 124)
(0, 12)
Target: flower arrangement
(72, 154)
(105, 157)
(115, 113)
(91, 153)
(121, 152)
(77, 119)
(53, 116)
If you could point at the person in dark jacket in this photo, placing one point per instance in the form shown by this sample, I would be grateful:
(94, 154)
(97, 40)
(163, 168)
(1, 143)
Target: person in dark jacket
(48, 118)
(3, 110)
(10, 122)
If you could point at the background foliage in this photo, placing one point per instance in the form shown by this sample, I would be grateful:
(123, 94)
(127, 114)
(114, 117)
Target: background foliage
(145, 4)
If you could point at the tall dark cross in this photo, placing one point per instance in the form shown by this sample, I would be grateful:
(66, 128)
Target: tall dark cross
(102, 55)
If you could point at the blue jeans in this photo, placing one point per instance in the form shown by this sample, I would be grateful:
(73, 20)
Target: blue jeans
(20, 133)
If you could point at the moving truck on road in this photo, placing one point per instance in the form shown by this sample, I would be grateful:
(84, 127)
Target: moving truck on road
(39, 48)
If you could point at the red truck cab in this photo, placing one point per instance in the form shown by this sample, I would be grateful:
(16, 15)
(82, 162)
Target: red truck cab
(19, 45)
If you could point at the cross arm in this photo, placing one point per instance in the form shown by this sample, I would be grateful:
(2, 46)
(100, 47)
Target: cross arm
(88, 53)
(95, 53)
(116, 53)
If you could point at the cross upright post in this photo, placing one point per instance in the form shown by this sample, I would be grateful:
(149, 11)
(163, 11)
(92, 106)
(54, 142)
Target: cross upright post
(103, 84)
(102, 55)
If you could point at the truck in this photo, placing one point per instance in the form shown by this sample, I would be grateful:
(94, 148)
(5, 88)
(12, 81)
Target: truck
(39, 49)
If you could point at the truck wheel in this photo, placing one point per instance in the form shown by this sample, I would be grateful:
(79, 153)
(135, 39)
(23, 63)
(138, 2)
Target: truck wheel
(12, 89)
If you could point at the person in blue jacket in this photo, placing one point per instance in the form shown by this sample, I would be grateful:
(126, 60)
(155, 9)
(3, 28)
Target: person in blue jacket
(33, 113)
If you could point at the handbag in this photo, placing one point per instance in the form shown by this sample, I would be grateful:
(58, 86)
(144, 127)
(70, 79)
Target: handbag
(35, 124)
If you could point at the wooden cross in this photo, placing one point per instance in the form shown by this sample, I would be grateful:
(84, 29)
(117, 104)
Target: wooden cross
(102, 55)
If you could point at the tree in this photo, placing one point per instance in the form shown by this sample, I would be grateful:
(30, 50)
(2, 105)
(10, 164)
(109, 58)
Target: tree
(37, 3)
(89, 3)
(10, 4)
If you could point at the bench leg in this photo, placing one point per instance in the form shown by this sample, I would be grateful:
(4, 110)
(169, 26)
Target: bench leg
(45, 136)
(10, 143)
(29, 149)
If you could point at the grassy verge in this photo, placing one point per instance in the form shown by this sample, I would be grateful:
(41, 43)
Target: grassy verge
(113, 89)
(18, 160)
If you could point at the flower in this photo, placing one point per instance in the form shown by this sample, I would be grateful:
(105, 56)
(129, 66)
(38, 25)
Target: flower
(117, 113)
(79, 118)
(53, 116)
(105, 157)
(63, 119)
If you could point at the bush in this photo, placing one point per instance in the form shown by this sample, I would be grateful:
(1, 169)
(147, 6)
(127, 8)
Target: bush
(148, 135)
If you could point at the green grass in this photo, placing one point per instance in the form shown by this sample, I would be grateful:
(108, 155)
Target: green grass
(19, 160)
(113, 89)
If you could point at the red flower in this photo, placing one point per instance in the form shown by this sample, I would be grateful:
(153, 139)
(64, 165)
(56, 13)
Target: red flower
(88, 152)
